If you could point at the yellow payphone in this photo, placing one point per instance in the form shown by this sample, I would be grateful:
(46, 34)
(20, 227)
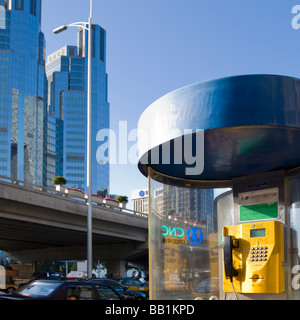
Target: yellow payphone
(254, 258)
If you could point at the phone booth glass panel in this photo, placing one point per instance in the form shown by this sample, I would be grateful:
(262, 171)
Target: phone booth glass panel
(185, 242)
(294, 218)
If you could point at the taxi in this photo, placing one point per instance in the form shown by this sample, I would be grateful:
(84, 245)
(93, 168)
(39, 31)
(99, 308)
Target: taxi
(9, 288)
(134, 285)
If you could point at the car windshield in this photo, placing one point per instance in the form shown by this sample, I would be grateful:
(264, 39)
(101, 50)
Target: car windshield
(131, 282)
(203, 284)
(39, 289)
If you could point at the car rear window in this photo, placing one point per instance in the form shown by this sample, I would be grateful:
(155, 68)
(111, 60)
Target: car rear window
(39, 289)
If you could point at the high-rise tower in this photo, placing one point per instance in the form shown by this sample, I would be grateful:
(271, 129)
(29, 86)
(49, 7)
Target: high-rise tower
(67, 110)
(22, 91)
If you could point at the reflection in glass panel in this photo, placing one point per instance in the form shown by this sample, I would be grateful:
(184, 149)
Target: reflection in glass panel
(185, 243)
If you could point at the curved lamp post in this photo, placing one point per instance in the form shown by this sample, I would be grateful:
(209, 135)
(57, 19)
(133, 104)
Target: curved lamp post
(89, 132)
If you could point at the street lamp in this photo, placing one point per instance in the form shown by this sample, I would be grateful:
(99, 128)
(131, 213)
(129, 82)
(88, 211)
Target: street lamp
(89, 132)
(60, 29)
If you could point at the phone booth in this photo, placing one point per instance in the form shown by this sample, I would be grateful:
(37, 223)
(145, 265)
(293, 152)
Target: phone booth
(222, 159)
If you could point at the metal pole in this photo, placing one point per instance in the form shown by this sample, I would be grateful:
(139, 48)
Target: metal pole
(89, 151)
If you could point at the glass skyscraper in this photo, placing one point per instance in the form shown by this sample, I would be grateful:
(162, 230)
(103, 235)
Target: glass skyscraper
(67, 111)
(22, 91)
(43, 127)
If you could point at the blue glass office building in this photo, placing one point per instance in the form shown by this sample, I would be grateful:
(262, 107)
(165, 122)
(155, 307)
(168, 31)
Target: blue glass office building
(22, 91)
(67, 111)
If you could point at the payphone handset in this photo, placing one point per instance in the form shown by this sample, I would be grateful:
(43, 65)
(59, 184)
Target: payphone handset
(254, 257)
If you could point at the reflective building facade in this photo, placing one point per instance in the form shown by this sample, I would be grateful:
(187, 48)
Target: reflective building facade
(190, 204)
(22, 91)
(67, 111)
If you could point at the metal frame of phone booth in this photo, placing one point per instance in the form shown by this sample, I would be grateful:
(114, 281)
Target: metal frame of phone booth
(241, 133)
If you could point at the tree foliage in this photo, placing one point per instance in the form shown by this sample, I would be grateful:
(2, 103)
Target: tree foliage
(59, 180)
(122, 199)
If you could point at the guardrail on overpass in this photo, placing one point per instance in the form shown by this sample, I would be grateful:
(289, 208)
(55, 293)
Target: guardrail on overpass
(79, 198)
(40, 223)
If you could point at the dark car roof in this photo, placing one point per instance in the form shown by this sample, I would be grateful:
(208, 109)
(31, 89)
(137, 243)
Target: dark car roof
(102, 280)
(61, 283)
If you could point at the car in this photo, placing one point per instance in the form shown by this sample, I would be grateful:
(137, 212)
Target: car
(206, 288)
(9, 288)
(134, 285)
(63, 290)
(122, 290)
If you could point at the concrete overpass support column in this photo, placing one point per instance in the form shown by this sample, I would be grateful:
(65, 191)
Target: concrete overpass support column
(116, 268)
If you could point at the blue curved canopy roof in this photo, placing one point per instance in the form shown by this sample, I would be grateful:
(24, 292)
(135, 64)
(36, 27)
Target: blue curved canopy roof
(249, 124)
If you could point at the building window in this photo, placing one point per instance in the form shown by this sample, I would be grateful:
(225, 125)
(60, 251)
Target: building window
(93, 45)
(102, 44)
(40, 12)
(2, 22)
(19, 5)
(81, 43)
(33, 7)
(72, 51)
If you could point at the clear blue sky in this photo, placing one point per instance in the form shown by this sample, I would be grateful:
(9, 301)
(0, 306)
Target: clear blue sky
(157, 46)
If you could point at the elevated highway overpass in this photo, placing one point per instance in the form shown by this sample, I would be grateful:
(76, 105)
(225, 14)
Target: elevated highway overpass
(39, 224)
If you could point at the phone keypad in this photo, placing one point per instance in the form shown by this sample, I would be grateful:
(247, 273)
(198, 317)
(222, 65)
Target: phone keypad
(259, 254)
